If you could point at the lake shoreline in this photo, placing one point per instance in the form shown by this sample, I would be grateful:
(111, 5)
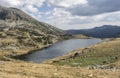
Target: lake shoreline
(78, 51)
(24, 56)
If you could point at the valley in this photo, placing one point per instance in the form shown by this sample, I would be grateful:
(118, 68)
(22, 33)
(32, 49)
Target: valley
(20, 34)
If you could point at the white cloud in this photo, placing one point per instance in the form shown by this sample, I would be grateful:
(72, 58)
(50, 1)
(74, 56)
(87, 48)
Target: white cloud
(37, 3)
(19, 3)
(13, 3)
(64, 20)
(66, 3)
(60, 12)
(30, 8)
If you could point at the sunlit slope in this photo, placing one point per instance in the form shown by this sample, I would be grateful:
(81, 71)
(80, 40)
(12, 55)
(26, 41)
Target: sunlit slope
(20, 31)
(105, 53)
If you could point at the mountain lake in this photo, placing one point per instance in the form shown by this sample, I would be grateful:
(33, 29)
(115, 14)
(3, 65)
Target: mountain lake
(59, 49)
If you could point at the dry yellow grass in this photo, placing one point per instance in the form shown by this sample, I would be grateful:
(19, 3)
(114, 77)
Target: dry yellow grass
(81, 36)
(18, 69)
(8, 40)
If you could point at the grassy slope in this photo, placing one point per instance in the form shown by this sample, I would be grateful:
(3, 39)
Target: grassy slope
(81, 36)
(104, 53)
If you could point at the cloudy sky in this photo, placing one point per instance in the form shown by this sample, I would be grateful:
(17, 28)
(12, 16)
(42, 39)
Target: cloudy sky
(70, 14)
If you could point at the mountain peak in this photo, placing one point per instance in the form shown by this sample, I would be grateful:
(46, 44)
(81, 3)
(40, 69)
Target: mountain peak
(105, 27)
(109, 26)
(13, 14)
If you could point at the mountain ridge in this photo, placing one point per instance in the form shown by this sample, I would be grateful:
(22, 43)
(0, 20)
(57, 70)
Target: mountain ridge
(105, 31)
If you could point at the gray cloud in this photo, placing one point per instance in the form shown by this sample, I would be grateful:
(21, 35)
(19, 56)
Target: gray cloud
(70, 14)
(94, 7)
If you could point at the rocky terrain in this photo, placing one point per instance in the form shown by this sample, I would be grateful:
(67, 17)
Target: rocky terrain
(19, 31)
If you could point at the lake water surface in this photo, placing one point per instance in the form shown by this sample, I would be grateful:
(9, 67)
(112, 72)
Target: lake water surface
(59, 49)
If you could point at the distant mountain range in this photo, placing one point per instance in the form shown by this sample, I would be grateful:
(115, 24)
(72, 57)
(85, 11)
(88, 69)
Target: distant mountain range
(105, 31)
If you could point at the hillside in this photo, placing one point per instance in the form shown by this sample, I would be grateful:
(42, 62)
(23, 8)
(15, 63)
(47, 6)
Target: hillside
(19, 31)
(106, 31)
(102, 54)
